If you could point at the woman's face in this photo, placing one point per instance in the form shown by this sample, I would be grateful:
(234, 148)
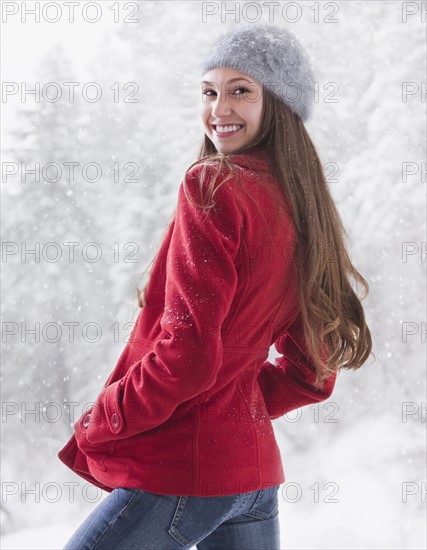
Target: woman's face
(231, 108)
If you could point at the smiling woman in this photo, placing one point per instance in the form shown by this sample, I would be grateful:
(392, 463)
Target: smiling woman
(181, 433)
(231, 109)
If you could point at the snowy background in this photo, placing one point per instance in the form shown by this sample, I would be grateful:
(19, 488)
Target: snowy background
(355, 465)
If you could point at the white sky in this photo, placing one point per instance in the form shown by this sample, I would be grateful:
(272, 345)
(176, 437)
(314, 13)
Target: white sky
(24, 42)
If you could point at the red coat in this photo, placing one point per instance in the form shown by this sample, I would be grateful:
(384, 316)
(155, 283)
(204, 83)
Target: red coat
(187, 410)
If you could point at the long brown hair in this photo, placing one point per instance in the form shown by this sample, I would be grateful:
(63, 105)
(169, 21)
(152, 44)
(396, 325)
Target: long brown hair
(332, 314)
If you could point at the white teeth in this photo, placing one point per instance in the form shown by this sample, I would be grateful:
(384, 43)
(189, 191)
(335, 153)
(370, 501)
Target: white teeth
(233, 128)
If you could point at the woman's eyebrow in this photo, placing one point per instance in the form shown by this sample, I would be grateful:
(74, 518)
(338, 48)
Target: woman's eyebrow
(231, 80)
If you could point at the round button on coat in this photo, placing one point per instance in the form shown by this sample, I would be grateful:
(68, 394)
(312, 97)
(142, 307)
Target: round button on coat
(86, 420)
(115, 420)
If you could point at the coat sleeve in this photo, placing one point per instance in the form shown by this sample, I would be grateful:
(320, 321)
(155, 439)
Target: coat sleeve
(201, 281)
(289, 384)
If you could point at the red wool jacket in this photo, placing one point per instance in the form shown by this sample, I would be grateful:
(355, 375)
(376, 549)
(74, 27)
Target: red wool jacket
(187, 409)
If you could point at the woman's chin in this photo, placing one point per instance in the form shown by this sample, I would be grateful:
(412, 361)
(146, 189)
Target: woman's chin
(227, 148)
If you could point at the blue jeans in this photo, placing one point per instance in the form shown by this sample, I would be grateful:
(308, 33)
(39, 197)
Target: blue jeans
(137, 519)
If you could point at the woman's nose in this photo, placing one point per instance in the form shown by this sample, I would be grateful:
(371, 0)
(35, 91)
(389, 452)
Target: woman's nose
(221, 107)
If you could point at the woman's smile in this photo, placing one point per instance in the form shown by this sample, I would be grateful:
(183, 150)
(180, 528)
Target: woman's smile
(227, 130)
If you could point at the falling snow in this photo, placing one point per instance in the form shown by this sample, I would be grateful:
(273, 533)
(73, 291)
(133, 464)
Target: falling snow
(364, 133)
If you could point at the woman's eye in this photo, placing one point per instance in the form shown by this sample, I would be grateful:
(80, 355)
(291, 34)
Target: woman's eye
(242, 90)
(208, 92)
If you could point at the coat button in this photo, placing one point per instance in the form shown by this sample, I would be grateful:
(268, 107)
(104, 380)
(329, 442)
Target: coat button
(115, 421)
(86, 420)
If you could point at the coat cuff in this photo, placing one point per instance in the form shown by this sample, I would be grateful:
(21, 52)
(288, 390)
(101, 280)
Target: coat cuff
(105, 419)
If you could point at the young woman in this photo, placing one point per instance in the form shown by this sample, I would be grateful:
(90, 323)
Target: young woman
(181, 434)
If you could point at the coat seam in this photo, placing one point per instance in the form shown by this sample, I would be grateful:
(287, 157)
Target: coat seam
(253, 428)
(245, 283)
(195, 469)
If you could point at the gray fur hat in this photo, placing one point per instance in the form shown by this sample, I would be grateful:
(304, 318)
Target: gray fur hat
(272, 56)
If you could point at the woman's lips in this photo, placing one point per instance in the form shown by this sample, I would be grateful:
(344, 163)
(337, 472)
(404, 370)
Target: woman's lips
(222, 134)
